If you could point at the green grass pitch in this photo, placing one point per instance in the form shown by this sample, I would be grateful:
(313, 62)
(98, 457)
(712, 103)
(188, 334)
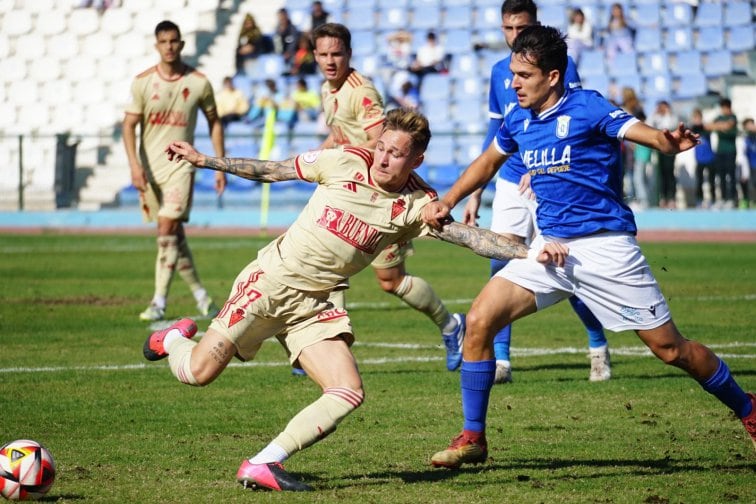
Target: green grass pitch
(124, 430)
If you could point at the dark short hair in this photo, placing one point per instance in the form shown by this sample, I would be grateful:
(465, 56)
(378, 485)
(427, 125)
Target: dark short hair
(544, 47)
(166, 25)
(519, 6)
(411, 122)
(725, 102)
(335, 30)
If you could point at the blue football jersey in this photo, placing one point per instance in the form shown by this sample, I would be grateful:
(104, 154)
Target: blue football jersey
(572, 152)
(502, 99)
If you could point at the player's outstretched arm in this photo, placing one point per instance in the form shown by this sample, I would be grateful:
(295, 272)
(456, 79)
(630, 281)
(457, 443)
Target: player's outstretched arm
(665, 141)
(252, 169)
(481, 241)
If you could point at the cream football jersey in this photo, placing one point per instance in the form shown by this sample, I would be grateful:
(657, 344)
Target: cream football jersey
(169, 112)
(347, 222)
(353, 109)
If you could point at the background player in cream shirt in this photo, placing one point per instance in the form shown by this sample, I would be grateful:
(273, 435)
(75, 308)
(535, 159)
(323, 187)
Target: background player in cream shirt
(354, 113)
(363, 202)
(165, 101)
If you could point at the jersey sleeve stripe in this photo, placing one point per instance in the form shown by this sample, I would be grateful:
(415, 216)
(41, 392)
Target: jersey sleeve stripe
(623, 130)
(365, 154)
(373, 125)
(298, 168)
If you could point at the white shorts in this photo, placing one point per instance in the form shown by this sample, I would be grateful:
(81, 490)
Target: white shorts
(511, 212)
(607, 271)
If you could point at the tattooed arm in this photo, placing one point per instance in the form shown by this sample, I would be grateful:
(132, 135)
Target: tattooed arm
(489, 244)
(253, 169)
(481, 241)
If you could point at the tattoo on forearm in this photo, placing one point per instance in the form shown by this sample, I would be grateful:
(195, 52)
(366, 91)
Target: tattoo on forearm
(254, 169)
(482, 241)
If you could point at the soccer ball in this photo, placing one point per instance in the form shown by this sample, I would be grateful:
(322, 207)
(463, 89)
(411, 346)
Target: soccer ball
(27, 470)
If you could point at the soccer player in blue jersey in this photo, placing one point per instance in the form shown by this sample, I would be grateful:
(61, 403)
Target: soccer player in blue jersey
(513, 214)
(569, 141)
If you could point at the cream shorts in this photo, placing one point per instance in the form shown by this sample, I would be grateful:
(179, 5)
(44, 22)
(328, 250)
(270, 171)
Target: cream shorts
(607, 271)
(393, 255)
(511, 212)
(259, 308)
(172, 199)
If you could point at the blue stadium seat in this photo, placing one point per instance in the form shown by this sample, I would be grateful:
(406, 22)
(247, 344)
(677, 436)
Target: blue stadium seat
(687, 63)
(425, 17)
(390, 4)
(204, 180)
(393, 17)
(657, 87)
(442, 177)
(738, 13)
(679, 38)
(623, 64)
(243, 83)
(240, 128)
(449, 3)
(740, 38)
(333, 5)
(646, 14)
(438, 114)
(470, 116)
(648, 39)
(440, 150)
(633, 81)
(710, 38)
(456, 41)
(457, 16)
(464, 64)
(360, 7)
(690, 86)
(598, 82)
(553, 15)
(436, 87)
(468, 148)
(677, 14)
(709, 14)
(270, 66)
(591, 63)
(718, 63)
(361, 19)
(488, 59)
(363, 43)
(487, 17)
(654, 63)
(466, 87)
(297, 4)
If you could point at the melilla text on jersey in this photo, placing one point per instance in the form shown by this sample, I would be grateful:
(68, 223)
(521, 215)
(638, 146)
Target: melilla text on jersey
(543, 161)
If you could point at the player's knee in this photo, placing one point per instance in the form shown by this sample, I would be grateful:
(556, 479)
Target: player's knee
(478, 326)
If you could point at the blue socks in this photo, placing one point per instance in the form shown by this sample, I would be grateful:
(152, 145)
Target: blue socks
(722, 386)
(503, 338)
(596, 337)
(476, 380)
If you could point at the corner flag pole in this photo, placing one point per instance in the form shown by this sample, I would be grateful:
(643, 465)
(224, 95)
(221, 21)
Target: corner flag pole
(266, 146)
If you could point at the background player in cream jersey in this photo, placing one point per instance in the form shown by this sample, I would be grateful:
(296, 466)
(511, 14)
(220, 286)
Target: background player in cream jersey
(354, 113)
(363, 202)
(165, 101)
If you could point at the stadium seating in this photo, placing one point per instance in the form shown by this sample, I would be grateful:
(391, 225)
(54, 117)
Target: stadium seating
(738, 13)
(677, 14)
(426, 16)
(457, 16)
(690, 86)
(709, 14)
(710, 38)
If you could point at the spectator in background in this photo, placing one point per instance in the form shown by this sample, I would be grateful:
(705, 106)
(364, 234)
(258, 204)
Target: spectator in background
(398, 61)
(430, 58)
(664, 118)
(704, 160)
(408, 97)
(306, 101)
(232, 103)
(318, 16)
(749, 131)
(251, 43)
(286, 37)
(579, 34)
(619, 34)
(726, 127)
(634, 187)
(743, 169)
(303, 62)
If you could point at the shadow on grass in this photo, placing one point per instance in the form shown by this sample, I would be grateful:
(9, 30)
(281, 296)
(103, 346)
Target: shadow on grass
(516, 470)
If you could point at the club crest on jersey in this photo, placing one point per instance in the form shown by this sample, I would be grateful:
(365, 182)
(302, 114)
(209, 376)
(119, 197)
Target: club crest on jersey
(397, 207)
(507, 82)
(310, 157)
(185, 93)
(563, 126)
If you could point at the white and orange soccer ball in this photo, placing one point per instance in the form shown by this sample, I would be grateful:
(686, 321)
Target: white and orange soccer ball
(27, 470)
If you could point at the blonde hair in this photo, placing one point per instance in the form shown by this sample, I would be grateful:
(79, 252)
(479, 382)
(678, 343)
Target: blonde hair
(411, 122)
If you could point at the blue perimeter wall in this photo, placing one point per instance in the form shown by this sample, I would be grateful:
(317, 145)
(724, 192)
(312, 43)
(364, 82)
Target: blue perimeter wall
(247, 217)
